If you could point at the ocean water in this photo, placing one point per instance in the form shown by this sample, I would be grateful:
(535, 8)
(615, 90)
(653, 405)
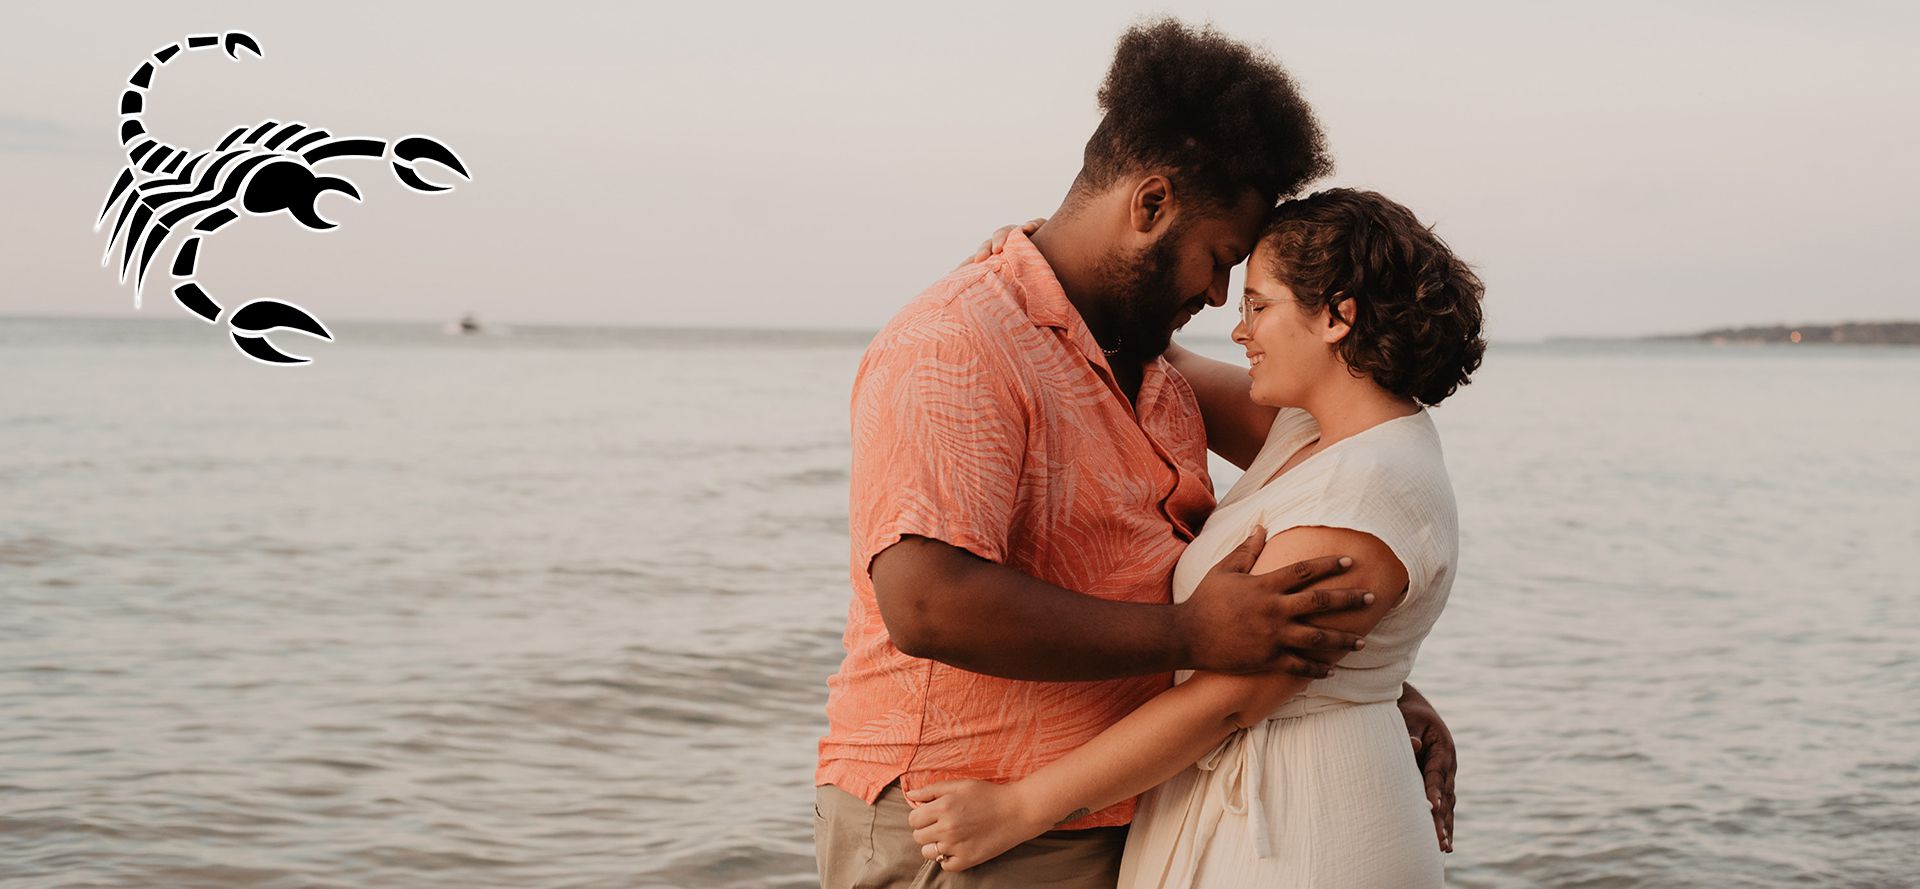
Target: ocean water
(556, 609)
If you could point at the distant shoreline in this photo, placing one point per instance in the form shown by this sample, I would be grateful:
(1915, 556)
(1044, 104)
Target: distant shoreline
(1851, 333)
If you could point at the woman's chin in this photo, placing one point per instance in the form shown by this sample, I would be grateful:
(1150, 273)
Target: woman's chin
(1261, 396)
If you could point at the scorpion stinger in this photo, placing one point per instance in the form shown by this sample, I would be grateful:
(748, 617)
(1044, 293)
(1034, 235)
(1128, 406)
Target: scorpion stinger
(258, 170)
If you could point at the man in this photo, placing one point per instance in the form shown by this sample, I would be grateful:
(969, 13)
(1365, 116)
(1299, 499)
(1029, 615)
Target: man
(1027, 470)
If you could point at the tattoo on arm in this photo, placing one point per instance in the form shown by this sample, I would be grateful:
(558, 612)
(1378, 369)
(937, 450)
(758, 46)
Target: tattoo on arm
(1074, 815)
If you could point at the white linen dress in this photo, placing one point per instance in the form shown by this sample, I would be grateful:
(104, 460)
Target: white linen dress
(1325, 794)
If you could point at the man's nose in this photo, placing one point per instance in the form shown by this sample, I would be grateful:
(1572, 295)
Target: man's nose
(1217, 294)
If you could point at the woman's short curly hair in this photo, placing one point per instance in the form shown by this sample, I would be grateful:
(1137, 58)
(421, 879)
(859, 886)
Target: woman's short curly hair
(1416, 306)
(1220, 118)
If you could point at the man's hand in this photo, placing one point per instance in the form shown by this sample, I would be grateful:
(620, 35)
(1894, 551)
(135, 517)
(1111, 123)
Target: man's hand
(1433, 750)
(1238, 622)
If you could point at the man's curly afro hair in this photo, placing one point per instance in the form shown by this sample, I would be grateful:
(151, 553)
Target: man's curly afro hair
(1216, 116)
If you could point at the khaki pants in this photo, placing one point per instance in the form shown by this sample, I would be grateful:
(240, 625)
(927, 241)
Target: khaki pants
(869, 847)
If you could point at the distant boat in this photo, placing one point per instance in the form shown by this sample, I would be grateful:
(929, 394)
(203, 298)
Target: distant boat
(468, 325)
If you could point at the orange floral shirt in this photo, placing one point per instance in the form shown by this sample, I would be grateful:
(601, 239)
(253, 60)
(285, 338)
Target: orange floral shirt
(985, 416)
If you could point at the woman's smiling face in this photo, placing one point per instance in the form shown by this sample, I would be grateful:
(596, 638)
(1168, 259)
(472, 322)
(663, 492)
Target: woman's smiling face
(1288, 351)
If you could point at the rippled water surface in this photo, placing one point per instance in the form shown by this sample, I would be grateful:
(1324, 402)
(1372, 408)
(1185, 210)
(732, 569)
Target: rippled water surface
(556, 609)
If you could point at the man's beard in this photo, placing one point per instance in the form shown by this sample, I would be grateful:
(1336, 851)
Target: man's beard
(1141, 290)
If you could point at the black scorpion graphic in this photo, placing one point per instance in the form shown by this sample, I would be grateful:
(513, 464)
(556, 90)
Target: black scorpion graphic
(261, 170)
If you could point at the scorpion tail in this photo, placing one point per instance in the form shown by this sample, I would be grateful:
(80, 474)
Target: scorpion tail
(133, 102)
(234, 41)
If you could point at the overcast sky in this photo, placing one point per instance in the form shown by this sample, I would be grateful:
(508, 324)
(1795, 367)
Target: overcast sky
(1610, 168)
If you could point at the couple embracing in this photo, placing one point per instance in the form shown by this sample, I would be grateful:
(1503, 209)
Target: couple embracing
(1055, 631)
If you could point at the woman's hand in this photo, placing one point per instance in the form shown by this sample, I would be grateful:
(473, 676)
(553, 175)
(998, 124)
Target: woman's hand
(998, 240)
(964, 823)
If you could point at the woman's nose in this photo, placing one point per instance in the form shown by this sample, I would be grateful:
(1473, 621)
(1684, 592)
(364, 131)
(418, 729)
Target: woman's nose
(1240, 332)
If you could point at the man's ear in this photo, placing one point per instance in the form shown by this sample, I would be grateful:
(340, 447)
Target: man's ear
(1339, 320)
(1150, 205)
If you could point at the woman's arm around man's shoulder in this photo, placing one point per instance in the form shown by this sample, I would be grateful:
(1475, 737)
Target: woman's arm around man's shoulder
(1236, 427)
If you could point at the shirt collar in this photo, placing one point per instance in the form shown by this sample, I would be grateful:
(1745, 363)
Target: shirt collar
(1046, 302)
(1047, 305)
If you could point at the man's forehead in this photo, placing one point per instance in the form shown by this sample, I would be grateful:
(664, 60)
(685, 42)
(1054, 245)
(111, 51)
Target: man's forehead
(1233, 236)
(1238, 227)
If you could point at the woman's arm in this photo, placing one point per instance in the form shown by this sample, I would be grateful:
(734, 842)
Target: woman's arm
(1236, 427)
(974, 821)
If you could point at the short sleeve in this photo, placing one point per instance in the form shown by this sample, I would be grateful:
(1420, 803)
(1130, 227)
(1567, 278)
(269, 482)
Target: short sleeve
(939, 439)
(1357, 493)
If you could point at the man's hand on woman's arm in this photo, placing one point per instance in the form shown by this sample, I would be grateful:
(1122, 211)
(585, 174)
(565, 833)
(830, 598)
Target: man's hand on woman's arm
(969, 822)
(1433, 750)
(943, 603)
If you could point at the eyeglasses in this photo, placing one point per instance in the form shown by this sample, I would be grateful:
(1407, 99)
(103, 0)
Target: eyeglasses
(1249, 306)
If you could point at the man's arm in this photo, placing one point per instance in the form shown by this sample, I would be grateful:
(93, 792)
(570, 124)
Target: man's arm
(972, 821)
(940, 429)
(946, 604)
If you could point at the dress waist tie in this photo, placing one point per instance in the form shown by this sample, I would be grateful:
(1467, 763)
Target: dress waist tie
(1239, 760)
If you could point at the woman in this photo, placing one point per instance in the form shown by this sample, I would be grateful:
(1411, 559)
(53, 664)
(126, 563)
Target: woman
(1355, 317)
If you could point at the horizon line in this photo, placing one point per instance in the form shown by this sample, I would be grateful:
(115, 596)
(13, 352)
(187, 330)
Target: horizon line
(722, 328)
